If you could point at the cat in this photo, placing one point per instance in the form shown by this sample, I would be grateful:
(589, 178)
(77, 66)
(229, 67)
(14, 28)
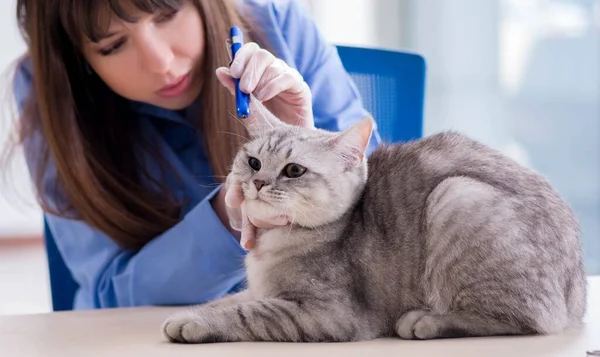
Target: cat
(440, 237)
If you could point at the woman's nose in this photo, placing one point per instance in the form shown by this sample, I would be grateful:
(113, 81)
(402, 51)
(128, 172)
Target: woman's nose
(157, 55)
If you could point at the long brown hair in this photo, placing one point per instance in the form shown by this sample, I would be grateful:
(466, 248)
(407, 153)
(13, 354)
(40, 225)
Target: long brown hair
(88, 130)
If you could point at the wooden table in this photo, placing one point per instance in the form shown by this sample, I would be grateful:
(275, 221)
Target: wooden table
(136, 332)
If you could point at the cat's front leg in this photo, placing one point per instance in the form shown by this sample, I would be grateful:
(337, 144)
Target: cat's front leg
(227, 300)
(265, 320)
(169, 327)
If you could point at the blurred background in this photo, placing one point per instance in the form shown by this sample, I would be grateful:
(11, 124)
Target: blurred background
(520, 75)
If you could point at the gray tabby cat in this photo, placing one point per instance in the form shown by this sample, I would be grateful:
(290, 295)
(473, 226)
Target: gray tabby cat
(441, 237)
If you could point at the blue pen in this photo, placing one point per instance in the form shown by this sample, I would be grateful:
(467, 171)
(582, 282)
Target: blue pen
(242, 100)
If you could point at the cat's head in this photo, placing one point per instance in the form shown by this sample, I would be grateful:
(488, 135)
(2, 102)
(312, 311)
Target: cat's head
(309, 175)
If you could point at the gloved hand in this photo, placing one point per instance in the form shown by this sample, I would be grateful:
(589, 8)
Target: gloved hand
(282, 90)
(279, 87)
(239, 219)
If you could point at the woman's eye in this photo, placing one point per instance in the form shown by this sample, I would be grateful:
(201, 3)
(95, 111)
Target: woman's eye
(293, 170)
(254, 163)
(107, 51)
(167, 16)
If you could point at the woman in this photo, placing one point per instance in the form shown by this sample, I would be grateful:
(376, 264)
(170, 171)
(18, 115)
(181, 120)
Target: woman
(128, 134)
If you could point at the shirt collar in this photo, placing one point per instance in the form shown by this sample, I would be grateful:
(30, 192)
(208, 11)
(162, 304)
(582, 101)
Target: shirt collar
(179, 116)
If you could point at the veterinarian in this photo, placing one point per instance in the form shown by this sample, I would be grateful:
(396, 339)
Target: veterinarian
(126, 120)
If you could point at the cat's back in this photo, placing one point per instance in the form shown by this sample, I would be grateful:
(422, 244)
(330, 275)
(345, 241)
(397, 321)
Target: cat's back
(449, 196)
(422, 164)
(408, 173)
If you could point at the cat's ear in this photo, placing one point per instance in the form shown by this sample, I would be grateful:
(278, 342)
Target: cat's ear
(260, 120)
(351, 144)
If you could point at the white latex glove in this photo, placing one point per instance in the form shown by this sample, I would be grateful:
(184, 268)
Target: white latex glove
(283, 91)
(279, 87)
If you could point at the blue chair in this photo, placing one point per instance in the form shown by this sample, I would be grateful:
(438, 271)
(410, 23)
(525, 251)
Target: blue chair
(62, 284)
(392, 86)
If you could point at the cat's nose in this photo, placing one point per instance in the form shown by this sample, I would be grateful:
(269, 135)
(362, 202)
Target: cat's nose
(259, 184)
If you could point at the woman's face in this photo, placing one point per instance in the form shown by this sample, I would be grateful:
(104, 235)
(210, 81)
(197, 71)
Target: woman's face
(151, 60)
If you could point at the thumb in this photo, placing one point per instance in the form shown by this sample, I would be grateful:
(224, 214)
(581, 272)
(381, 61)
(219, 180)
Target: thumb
(234, 195)
(224, 76)
(248, 239)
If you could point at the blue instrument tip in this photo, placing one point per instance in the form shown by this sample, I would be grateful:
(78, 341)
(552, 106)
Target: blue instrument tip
(235, 31)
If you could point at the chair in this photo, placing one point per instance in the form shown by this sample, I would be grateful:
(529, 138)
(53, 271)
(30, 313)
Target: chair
(391, 84)
(62, 284)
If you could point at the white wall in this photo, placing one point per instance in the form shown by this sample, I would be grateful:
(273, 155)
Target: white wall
(370, 23)
(521, 76)
(19, 213)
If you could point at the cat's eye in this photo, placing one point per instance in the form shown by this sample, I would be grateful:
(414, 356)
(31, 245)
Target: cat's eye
(293, 170)
(254, 163)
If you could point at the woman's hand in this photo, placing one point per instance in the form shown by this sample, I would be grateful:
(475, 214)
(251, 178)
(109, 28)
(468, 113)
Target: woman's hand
(239, 219)
(283, 91)
(279, 87)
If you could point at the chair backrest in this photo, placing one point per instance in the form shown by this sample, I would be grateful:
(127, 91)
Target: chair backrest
(392, 86)
(62, 285)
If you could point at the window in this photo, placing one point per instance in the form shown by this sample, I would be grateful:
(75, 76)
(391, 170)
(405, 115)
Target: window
(520, 75)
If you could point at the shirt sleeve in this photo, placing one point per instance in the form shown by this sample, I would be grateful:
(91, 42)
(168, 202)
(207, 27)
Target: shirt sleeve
(337, 104)
(195, 261)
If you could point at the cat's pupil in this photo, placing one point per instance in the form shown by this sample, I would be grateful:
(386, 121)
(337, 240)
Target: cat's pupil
(294, 170)
(254, 163)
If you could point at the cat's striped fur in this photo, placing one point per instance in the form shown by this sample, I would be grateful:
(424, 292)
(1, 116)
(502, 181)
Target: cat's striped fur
(444, 237)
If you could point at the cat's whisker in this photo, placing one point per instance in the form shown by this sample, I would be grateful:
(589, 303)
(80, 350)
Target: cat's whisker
(215, 185)
(304, 211)
(237, 120)
(322, 209)
(304, 199)
(212, 178)
(317, 229)
(235, 134)
(276, 196)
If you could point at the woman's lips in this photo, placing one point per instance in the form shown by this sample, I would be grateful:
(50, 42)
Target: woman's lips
(176, 88)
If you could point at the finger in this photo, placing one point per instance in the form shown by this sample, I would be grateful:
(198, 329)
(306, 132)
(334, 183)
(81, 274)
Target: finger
(234, 197)
(241, 59)
(250, 243)
(224, 76)
(248, 238)
(270, 222)
(277, 69)
(286, 82)
(255, 69)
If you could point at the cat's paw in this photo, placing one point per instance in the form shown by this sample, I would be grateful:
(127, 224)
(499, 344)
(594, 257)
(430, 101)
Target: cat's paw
(417, 324)
(189, 327)
(427, 327)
